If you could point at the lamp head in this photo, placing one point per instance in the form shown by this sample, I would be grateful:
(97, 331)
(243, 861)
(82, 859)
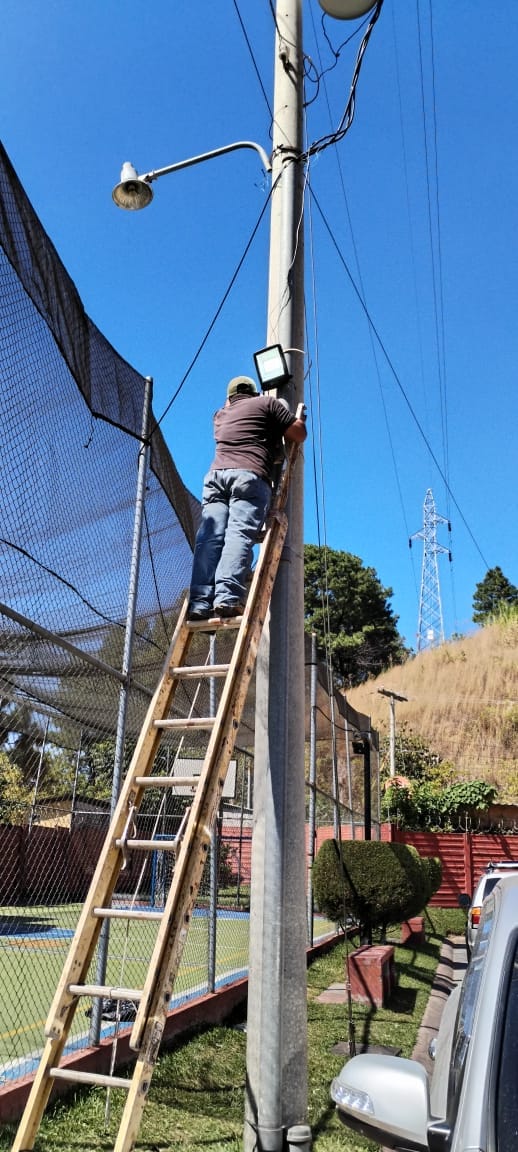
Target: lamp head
(132, 192)
(271, 367)
(346, 9)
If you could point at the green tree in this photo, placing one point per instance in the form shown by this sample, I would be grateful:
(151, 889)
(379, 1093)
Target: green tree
(15, 797)
(492, 594)
(346, 605)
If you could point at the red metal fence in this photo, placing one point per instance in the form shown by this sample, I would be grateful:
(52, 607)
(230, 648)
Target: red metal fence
(463, 857)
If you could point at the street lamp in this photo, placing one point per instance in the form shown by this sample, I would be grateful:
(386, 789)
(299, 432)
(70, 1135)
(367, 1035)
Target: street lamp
(134, 191)
(346, 9)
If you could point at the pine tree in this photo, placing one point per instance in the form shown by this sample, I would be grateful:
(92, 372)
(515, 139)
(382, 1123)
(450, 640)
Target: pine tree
(492, 594)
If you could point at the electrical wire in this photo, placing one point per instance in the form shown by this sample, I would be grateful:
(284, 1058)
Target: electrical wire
(348, 115)
(395, 375)
(253, 59)
(217, 313)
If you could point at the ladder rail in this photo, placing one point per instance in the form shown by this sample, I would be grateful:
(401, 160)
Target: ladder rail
(111, 857)
(218, 755)
(172, 935)
(102, 886)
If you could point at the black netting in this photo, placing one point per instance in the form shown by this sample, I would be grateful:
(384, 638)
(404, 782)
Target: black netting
(71, 411)
(71, 414)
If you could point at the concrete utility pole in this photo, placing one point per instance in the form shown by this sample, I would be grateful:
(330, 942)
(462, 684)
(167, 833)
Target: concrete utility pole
(276, 1082)
(277, 1001)
(393, 696)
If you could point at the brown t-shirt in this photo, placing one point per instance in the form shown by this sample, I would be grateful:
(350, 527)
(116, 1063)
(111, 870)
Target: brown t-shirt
(248, 432)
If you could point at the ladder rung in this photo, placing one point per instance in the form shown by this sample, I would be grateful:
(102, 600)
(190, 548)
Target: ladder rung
(167, 781)
(89, 1078)
(186, 671)
(105, 991)
(213, 624)
(149, 845)
(126, 914)
(189, 722)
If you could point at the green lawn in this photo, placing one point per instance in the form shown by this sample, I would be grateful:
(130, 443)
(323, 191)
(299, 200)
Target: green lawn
(197, 1091)
(31, 965)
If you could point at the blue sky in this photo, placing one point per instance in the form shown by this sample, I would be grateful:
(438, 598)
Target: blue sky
(418, 206)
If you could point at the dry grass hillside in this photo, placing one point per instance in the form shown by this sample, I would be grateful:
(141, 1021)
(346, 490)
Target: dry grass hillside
(463, 702)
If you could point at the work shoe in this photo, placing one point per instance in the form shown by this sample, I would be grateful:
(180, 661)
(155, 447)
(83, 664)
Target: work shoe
(227, 611)
(199, 613)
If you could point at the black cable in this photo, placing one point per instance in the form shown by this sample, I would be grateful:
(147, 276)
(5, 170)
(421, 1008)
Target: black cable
(72, 587)
(252, 57)
(348, 116)
(219, 309)
(397, 378)
(155, 580)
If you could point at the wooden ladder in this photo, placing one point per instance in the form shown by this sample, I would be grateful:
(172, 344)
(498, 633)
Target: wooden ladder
(189, 848)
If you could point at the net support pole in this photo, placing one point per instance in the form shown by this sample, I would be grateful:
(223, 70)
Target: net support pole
(127, 657)
(312, 785)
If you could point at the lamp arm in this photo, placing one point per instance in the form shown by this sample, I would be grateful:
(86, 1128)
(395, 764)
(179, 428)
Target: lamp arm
(150, 176)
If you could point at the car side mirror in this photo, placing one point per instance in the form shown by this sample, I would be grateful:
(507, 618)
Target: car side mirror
(386, 1099)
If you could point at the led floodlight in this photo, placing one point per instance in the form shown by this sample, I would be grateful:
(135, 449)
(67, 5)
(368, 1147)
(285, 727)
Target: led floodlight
(271, 367)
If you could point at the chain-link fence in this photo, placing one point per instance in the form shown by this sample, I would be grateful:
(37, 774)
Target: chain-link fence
(95, 557)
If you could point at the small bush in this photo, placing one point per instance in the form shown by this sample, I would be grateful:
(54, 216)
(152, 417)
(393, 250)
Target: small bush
(373, 882)
(433, 867)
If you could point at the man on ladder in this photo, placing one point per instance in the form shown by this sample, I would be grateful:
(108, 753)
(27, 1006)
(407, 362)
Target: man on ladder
(237, 492)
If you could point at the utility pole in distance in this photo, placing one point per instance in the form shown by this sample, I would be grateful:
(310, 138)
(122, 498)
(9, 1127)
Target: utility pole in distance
(393, 696)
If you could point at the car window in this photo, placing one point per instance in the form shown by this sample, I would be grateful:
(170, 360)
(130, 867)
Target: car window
(469, 997)
(489, 885)
(506, 1092)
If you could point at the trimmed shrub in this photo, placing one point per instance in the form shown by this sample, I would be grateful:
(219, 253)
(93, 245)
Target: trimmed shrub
(433, 867)
(375, 883)
(329, 887)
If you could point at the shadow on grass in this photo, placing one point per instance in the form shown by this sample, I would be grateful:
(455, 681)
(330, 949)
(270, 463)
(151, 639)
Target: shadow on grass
(23, 925)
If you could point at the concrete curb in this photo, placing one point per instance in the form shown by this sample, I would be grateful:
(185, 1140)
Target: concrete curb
(450, 970)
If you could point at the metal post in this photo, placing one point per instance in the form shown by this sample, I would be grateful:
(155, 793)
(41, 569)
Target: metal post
(276, 1091)
(392, 736)
(312, 784)
(214, 841)
(102, 953)
(349, 776)
(76, 775)
(367, 818)
(393, 696)
(38, 774)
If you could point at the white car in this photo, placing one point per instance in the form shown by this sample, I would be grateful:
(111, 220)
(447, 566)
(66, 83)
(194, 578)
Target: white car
(492, 874)
(472, 1101)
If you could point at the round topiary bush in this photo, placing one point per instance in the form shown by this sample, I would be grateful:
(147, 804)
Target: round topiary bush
(373, 882)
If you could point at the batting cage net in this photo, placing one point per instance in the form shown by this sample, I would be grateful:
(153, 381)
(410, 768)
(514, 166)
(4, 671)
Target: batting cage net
(96, 543)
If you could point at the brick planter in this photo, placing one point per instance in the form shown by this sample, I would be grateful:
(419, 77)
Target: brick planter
(372, 974)
(413, 931)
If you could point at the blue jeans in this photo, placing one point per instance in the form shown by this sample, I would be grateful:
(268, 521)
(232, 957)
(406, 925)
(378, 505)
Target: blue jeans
(234, 507)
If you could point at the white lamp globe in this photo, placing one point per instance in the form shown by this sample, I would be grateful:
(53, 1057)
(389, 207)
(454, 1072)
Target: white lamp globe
(346, 9)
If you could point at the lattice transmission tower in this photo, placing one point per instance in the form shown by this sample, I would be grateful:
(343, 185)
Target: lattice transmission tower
(430, 626)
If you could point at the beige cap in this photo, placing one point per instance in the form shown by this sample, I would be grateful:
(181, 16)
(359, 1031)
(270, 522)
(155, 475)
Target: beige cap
(241, 384)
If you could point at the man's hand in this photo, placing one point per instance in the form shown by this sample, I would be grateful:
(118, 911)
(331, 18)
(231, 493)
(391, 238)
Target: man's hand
(298, 431)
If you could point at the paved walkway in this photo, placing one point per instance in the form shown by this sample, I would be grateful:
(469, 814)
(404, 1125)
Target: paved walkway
(450, 970)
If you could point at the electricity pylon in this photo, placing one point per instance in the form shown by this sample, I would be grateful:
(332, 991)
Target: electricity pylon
(430, 627)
